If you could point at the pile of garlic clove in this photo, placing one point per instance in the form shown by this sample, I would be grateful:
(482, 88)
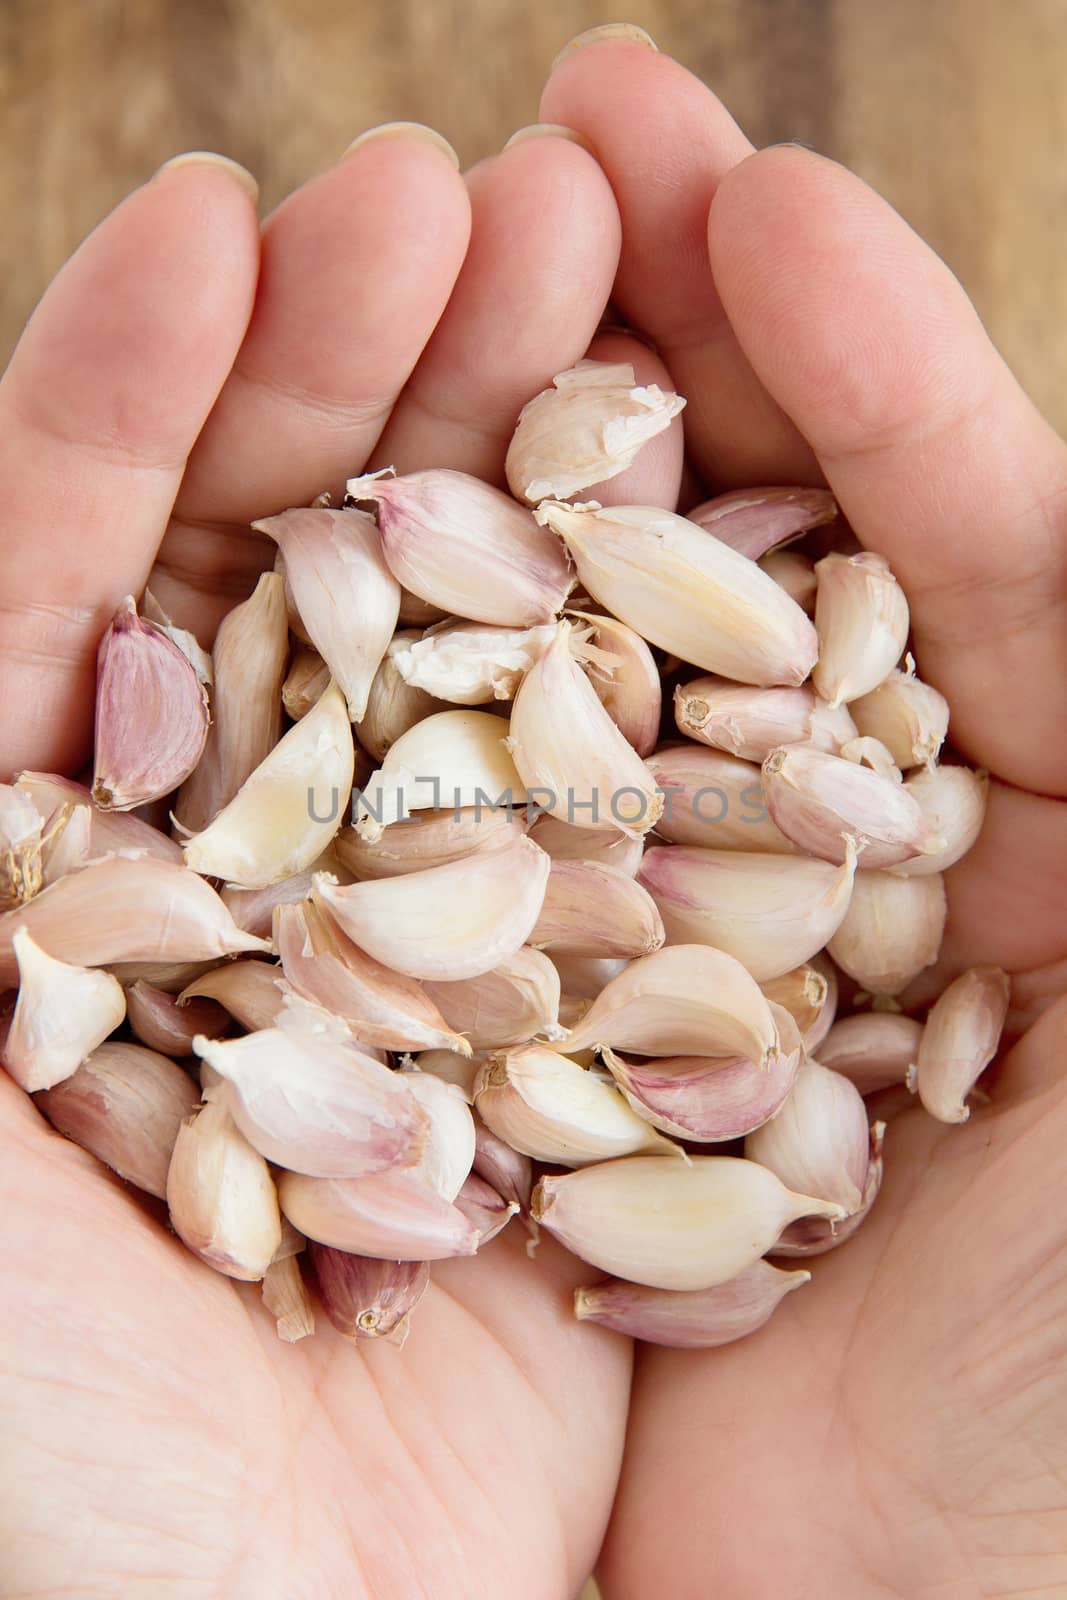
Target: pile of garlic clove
(449, 929)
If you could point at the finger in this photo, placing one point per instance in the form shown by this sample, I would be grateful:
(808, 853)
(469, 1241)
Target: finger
(543, 252)
(99, 408)
(937, 457)
(357, 268)
(666, 143)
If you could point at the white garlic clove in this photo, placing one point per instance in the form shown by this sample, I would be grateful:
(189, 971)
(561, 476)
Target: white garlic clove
(365, 1298)
(820, 802)
(873, 1049)
(452, 760)
(583, 977)
(960, 1039)
(451, 1066)
(427, 839)
(813, 1236)
(694, 1319)
(908, 716)
(795, 573)
(221, 1198)
(591, 909)
(892, 930)
(873, 754)
(448, 1156)
(953, 803)
(832, 727)
(253, 992)
(756, 521)
(62, 1014)
(483, 1207)
(819, 1138)
(628, 685)
(395, 1216)
(516, 1002)
(393, 706)
(862, 619)
(109, 830)
(713, 800)
(565, 841)
(745, 722)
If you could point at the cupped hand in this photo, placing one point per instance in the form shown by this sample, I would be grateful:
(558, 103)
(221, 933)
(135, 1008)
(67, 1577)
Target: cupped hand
(900, 1427)
(183, 375)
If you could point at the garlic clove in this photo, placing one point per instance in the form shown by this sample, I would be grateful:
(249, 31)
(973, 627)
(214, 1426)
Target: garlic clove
(160, 1021)
(873, 1049)
(564, 841)
(125, 1106)
(451, 1066)
(953, 803)
(892, 930)
(756, 521)
(394, 1216)
(483, 1207)
(908, 716)
(713, 800)
(470, 663)
(305, 682)
(795, 573)
(819, 1138)
(812, 1236)
(462, 545)
(960, 1039)
(695, 1319)
(686, 591)
(62, 1014)
(253, 909)
(445, 923)
(448, 1156)
(222, 1202)
(66, 843)
(583, 977)
(745, 722)
(806, 993)
(628, 686)
(151, 713)
(428, 839)
(508, 1171)
(820, 801)
(253, 992)
(347, 598)
(514, 1003)
(286, 1297)
(21, 843)
(671, 1224)
(707, 1100)
(873, 754)
(365, 1298)
(393, 706)
(862, 619)
(187, 642)
(832, 727)
(591, 909)
(453, 760)
(109, 830)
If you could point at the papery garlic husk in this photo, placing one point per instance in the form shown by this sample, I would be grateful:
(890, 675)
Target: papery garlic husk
(570, 756)
(508, 1171)
(393, 706)
(380, 1006)
(347, 597)
(565, 842)
(686, 999)
(62, 1013)
(755, 521)
(745, 722)
(151, 713)
(591, 909)
(953, 803)
(695, 1319)
(125, 1106)
(671, 1224)
(250, 654)
(221, 1198)
(482, 1206)
(549, 1108)
(466, 547)
(470, 663)
(451, 1066)
(908, 716)
(806, 994)
(516, 1002)
(286, 1297)
(287, 812)
(583, 977)
(795, 574)
(253, 992)
(873, 754)
(628, 686)
(771, 912)
(305, 682)
(452, 760)
(960, 1039)
(873, 1049)
(819, 1137)
(428, 839)
(445, 923)
(119, 910)
(366, 1298)
(66, 843)
(109, 830)
(21, 827)
(714, 800)
(586, 429)
(682, 589)
(394, 1216)
(448, 1156)
(862, 618)
(812, 1236)
(317, 1105)
(253, 909)
(892, 929)
(162, 1023)
(820, 802)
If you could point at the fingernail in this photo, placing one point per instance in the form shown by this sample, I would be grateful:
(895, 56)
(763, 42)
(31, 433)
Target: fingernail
(548, 130)
(408, 130)
(209, 158)
(624, 32)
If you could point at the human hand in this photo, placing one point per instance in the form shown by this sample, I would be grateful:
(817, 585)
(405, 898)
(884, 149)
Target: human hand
(898, 1428)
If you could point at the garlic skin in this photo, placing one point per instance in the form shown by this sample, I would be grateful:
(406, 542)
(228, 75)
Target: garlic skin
(586, 429)
(681, 1000)
(253, 992)
(21, 826)
(222, 1202)
(873, 754)
(806, 993)
(953, 803)
(564, 841)
(123, 909)
(109, 830)
(812, 1236)
(468, 663)
(287, 812)
(960, 1039)
(862, 619)
(445, 923)
(819, 1138)
(628, 687)
(66, 843)
(770, 912)
(892, 930)
(483, 1207)
(569, 754)
(451, 760)
(516, 1002)
(151, 713)
(873, 1049)
(429, 839)
(61, 1015)
(286, 1297)
(695, 1319)
(908, 716)
(748, 723)
(820, 801)
(160, 1021)
(347, 598)
(305, 682)
(590, 909)
(394, 1216)
(713, 800)
(466, 547)
(682, 589)
(671, 1224)
(124, 1105)
(368, 1299)
(187, 642)
(756, 521)
(795, 574)
(551, 1109)
(393, 706)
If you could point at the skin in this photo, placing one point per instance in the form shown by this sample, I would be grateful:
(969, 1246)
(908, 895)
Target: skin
(897, 1429)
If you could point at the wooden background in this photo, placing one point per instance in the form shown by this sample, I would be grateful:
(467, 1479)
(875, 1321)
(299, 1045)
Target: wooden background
(954, 108)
